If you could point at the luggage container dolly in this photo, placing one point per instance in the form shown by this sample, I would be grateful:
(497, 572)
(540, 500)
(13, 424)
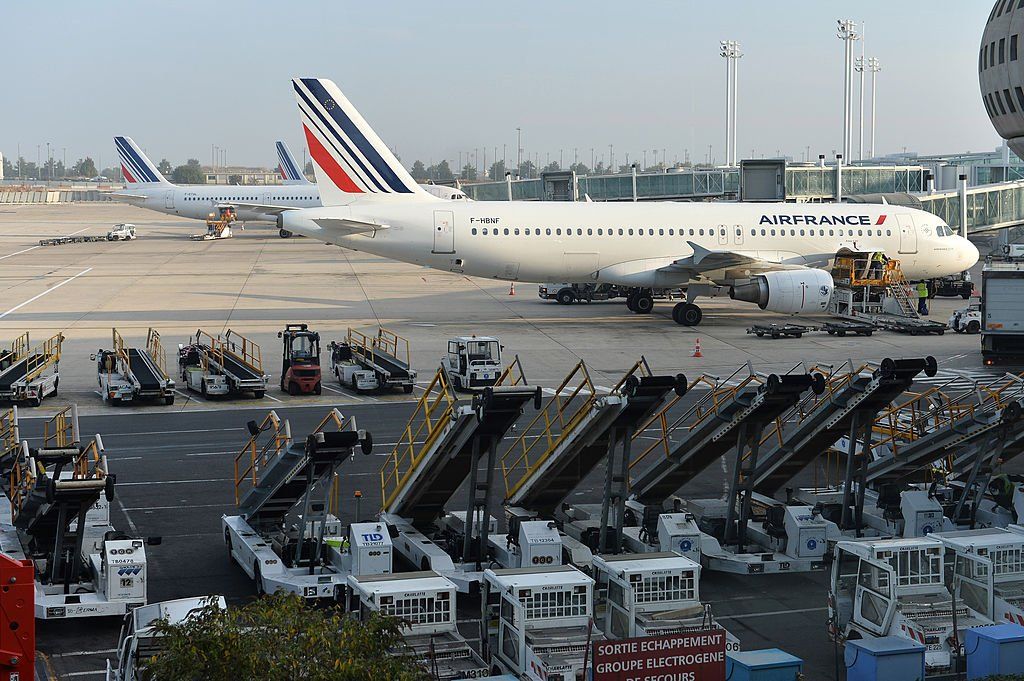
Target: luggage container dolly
(785, 329)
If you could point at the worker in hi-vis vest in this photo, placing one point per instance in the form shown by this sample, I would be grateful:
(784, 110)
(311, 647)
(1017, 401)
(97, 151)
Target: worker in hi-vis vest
(922, 298)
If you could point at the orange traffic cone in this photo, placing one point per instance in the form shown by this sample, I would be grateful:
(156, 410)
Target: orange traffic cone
(512, 288)
(696, 349)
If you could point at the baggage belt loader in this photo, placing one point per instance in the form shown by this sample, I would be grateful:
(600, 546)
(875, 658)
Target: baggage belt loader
(363, 362)
(425, 602)
(30, 374)
(127, 374)
(226, 365)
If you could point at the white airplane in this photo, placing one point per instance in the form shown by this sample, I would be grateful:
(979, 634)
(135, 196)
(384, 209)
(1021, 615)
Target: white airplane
(772, 255)
(148, 188)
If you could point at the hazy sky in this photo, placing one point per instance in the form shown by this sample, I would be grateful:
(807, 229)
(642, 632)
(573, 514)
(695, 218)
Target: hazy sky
(437, 78)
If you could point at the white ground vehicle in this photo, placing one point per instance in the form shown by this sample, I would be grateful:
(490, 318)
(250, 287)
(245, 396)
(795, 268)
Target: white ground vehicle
(126, 374)
(653, 594)
(138, 641)
(425, 602)
(364, 362)
(567, 294)
(122, 231)
(966, 319)
(538, 621)
(896, 587)
(990, 570)
(472, 362)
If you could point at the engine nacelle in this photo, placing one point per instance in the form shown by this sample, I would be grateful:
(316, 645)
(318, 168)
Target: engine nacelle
(788, 291)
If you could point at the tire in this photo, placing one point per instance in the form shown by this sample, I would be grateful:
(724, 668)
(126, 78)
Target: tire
(457, 383)
(565, 297)
(258, 394)
(318, 389)
(868, 333)
(284, 234)
(775, 336)
(759, 334)
(35, 401)
(644, 304)
(631, 303)
(841, 334)
(831, 332)
(407, 389)
(293, 389)
(202, 388)
(688, 314)
(258, 578)
(169, 399)
(227, 543)
(114, 402)
(974, 326)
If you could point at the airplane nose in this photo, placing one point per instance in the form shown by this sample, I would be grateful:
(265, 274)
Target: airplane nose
(970, 254)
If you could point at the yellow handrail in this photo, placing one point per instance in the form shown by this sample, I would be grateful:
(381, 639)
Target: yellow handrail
(254, 455)
(242, 348)
(156, 352)
(59, 431)
(43, 357)
(10, 437)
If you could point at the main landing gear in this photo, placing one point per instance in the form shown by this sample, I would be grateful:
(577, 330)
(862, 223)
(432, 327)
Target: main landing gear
(641, 301)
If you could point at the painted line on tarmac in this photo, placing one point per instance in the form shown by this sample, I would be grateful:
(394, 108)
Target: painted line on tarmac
(131, 523)
(773, 613)
(212, 453)
(49, 290)
(271, 397)
(333, 390)
(11, 255)
(172, 482)
(166, 432)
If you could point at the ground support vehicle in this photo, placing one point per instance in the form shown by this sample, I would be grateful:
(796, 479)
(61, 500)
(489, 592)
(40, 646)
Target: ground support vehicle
(122, 231)
(653, 594)
(966, 319)
(897, 587)
(1002, 310)
(867, 290)
(785, 330)
(948, 287)
(28, 375)
(538, 621)
(913, 327)
(472, 362)
(364, 362)
(842, 328)
(989, 571)
(567, 294)
(286, 535)
(55, 518)
(138, 642)
(425, 602)
(218, 225)
(82, 239)
(225, 365)
(127, 374)
(300, 361)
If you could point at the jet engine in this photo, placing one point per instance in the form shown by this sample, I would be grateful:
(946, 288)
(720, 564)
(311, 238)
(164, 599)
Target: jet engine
(788, 291)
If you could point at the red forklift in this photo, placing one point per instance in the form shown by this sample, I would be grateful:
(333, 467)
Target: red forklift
(300, 364)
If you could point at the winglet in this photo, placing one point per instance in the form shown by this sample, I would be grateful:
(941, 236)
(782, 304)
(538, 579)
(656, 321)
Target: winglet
(699, 252)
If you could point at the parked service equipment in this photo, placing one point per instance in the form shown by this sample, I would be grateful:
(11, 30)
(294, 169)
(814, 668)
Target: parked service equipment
(966, 319)
(956, 285)
(300, 361)
(897, 587)
(127, 374)
(18, 637)
(567, 294)
(538, 621)
(79, 239)
(28, 375)
(1002, 309)
(363, 362)
(472, 362)
(218, 225)
(122, 231)
(989, 570)
(139, 643)
(425, 604)
(286, 535)
(228, 364)
(58, 516)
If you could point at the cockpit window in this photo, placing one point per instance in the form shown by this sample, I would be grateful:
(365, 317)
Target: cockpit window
(943, 230)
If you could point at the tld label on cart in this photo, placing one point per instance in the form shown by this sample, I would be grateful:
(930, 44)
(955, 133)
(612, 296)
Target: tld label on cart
(693, 656)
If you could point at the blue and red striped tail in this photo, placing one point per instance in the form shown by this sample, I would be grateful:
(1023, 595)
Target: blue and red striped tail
(135, 165)
(287, 166)
(349, 159)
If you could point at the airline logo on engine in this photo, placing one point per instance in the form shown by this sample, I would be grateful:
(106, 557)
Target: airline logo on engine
(818, 220)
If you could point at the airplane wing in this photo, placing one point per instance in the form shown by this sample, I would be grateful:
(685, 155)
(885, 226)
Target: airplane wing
(348, 226)
(265, 208)
(126, 197)
(705, 260)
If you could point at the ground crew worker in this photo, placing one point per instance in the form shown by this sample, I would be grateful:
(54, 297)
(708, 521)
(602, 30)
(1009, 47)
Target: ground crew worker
(878, 264)
(1001, 488)
(922, 298)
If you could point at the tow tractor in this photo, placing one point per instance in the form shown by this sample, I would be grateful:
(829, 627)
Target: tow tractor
(967, 319)
(538, 621)
(425, 603)
(122, 231)
(218, 225)
(472, 362)
(58, 517)
(228, 364)
(363, 362)
(897, 587)
(956, 285)
(27, 374)
(300, 364)
(139, 642)
(126, 374)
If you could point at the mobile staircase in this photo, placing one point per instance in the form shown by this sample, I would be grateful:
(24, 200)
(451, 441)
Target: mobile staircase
(30, 374)
(286, 534)
(230, 364)
(127, 374)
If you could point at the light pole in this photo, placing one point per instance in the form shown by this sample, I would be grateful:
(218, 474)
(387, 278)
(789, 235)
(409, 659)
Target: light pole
(860, 66)
(874, 66)
(519, 152)
(50, 165)
(847, 32)
(730, 51)
(64, 163)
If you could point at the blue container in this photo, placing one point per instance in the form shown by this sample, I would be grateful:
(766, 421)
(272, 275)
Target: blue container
(771, 664)
(889, 658)
(994, 650)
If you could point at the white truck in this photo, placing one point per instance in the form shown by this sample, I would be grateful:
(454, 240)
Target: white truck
(539, 621)
(989, 570)
(425, 603)
(472, 362)
(653, 594)
(122, 231)
(139, 642)
(1002, 308)
(897, 587)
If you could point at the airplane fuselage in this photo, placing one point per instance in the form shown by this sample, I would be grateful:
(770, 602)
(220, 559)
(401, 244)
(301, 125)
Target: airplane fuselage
(198, 201)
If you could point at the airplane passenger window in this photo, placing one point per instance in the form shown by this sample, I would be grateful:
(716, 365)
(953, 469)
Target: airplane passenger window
(792, 232)
(860, 232)
(579, 232)
(473, 231)
(801, 232)
(558, 231)
(753, 232)
(516, 231)
(485, 231)
(548, 230)
(764, 232)
(831, 232)
(590, 232)
(599, 231)
(671, 232)
(661, 232)
(506, 231)
(888, 232)
(773, 232)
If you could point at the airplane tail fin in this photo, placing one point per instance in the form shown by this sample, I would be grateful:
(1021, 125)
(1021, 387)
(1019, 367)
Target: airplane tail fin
(135, 165)
(349, 159)
(287, 166)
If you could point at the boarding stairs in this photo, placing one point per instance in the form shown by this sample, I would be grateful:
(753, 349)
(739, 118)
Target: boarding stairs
(273, 473)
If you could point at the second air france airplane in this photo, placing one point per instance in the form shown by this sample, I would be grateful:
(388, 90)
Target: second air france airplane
(772, 255)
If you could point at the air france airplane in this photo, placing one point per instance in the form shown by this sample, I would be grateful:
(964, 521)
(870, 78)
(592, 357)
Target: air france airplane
(286, 165)
(773, 255)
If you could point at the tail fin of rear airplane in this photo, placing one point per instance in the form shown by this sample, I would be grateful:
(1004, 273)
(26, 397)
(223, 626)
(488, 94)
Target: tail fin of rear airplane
(135, 165)
(287, 166)
(350, 161)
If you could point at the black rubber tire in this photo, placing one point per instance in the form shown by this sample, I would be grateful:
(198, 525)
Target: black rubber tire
(965, 296)
(841, 334)
(775, 336)
(644, 304)
(258, 579)
(759, 334)
(318, 389)
(565, 297)
(407, 389)
(974, 326)
(258, 394)
(284, 233)
(169, 399)
(227, 543)
(631, 302)
(868, 333)
(689, 315)
(202, 388)
(293, 389)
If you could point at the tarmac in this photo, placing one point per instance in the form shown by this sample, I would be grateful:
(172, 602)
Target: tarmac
(174, 464)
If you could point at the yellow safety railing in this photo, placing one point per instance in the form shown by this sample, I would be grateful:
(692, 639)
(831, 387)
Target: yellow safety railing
(88, 464)
(22, 481)
(243, 349)
(156, 352)
(639, 369)
(61, 430)
(433, 412)
(863, 271)
(43, 357)
(512, 375)
(10, 437)
(385, 342)
(20, 346)
(557, 419)
(258, 451)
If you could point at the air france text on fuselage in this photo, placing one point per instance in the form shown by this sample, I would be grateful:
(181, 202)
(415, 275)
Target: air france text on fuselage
(818, 220)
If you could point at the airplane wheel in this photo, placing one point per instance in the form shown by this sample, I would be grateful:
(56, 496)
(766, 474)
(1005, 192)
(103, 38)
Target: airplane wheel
(284, 233)
(687, 314)
(631, 302)
(644, 304)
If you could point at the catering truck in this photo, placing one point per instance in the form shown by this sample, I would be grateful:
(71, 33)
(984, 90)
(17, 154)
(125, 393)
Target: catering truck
(1002, 308)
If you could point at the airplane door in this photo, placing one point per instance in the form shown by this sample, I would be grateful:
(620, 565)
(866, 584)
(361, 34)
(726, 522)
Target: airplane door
(723, 236)
(169, 199)
(444, 231)
(908, 233)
